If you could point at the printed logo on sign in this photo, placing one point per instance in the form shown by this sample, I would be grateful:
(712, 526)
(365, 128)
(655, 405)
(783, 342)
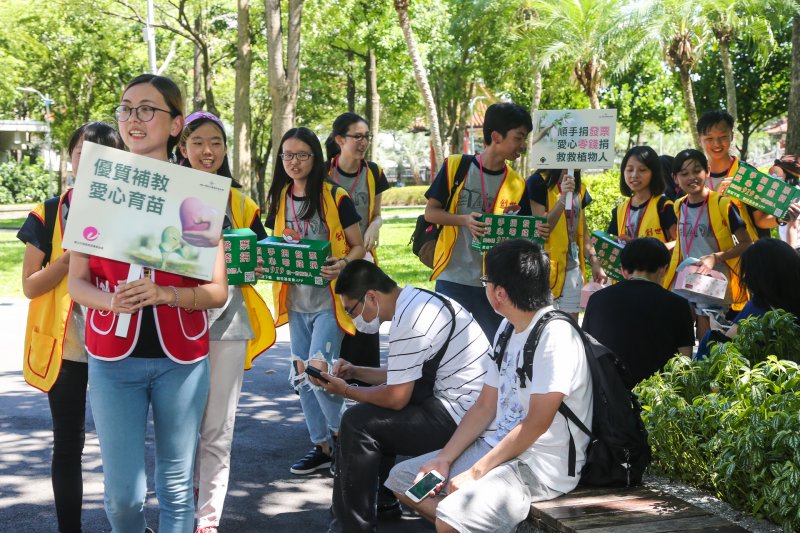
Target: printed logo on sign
(90, 233)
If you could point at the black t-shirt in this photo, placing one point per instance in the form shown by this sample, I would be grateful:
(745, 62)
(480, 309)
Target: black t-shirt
(643, 324)
(666, 216)
(537, 191)
(347, 211)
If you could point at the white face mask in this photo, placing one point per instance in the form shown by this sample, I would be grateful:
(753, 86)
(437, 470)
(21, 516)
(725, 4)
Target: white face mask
(373, 326)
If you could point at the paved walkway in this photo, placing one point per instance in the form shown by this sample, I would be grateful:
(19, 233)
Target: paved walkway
(270, 435)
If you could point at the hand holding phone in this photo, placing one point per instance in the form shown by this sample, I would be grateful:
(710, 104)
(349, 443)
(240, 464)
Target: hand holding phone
(315, 373)
(422, 488)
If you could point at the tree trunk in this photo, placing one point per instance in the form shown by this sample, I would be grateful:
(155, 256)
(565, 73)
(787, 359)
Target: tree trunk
(535, 101)
(793, 126)
(199, 100)
(351, 83)
(208, 81)
(284, 79)
(373, 99)
(730, 84)
(421, 76)
(688, 103)
(242, 164)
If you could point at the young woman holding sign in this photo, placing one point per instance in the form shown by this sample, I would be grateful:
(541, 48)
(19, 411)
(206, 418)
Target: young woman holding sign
(646, 212)
(304, 204)
(365, 182)
(239, 332)
(162, 361)
(569, 240)
(55, 358)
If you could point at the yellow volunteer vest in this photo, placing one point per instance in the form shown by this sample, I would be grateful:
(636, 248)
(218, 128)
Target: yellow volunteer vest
(331, 197)
(371, 187)
(244, 211)
(718, 206)
(557, 246)
(47, 320)
(510, 193)
(650, 225)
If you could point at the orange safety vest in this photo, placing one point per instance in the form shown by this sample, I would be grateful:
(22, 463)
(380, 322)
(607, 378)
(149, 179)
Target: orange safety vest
(649, 223)
(557, 245)
(373, 171)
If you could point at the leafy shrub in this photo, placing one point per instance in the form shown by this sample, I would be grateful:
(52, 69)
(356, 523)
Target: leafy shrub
(604, 189)
(732, 426)
(23, 183)
(412, 195)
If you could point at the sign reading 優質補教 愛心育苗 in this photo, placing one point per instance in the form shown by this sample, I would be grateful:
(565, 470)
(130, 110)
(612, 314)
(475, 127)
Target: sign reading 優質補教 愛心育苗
(574, 138)
(146, 212)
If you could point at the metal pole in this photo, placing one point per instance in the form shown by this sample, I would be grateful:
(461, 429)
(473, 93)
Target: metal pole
(150, 37)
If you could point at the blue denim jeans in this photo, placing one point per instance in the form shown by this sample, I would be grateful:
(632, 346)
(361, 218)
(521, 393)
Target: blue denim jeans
(474, 300)
(121, 392)
(317, 335)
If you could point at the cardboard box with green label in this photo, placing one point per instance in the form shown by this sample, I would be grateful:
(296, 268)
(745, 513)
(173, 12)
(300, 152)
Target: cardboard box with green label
(608, 249)
(504, 227)
(762, 191)
(299, 262)
(240, 256)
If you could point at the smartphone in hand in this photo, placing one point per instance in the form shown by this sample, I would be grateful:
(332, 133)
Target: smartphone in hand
(422, 488)
(316, 373)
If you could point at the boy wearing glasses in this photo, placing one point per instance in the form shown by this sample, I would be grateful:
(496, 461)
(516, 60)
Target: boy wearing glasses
(511, 448)
(437, 358)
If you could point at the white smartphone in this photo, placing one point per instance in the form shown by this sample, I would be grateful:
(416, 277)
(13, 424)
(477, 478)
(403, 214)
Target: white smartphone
(422, 488)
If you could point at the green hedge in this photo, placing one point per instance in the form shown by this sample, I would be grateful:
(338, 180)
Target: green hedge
(604, 189)
(23, 183)
(731, 423)
(411, 195)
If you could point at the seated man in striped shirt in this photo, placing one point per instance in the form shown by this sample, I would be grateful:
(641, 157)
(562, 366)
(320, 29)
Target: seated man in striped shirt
(438, 356)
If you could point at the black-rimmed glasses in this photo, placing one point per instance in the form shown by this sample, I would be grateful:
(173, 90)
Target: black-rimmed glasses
(484, 280)
(300, 156)
(358, 137)
(144, 113)
(353, 308)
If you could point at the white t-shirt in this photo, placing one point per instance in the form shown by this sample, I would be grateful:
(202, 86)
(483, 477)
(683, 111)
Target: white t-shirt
(420, 326)
(559, 365)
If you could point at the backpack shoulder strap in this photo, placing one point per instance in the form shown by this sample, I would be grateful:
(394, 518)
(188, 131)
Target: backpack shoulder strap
(500, 348)
(461, 173)
(438, 357)
(50, 219)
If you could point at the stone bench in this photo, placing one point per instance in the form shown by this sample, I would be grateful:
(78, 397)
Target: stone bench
(636, 510)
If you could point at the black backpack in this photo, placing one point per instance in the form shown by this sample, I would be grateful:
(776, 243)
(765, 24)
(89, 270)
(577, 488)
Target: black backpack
(423, 239)
(618, 452)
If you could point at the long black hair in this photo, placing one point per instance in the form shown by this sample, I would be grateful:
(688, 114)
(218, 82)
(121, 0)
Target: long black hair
(172, 96)
(96, 132)
(314, 181)
(771, 272)
(340, 127)
(649, 158)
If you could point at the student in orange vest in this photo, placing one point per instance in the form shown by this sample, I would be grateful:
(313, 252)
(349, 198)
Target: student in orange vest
(707, 225)
(304, 203)
(239, 332)
(569, 241)
(646, 212)
(715, 129)
(58, 367)
(162, 362)
(365, 182)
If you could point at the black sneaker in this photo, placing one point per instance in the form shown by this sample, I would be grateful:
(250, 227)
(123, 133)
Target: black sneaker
(388, 506)
(314, 460)
(334, 449)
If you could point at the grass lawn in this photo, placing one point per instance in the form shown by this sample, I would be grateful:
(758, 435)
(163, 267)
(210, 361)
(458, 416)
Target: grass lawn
(11, 223)
(394, 256)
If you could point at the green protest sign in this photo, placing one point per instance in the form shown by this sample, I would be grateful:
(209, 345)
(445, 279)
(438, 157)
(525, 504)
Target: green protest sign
(762, 191)
(504, 227)
(295, 262)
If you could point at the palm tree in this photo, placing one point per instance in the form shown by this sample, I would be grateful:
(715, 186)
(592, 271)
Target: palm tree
(732, 19)
(594, 36)
(401, 6)
(678, 27)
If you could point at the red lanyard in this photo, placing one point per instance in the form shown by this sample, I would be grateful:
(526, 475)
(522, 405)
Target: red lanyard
(484, 198)
(294, 213)
(727, 173)
(336, 174)
(685, 209)
(628, 226)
